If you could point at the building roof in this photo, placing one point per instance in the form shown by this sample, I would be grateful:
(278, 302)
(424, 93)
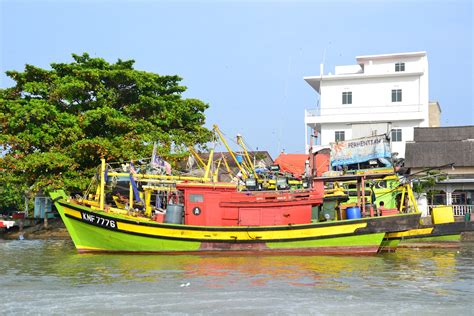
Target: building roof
(315, 81)
(293, 163)
(438, 146)
(439, 134)
(389, 56)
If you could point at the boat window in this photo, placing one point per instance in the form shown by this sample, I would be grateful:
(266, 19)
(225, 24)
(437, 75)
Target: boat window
(196, 198)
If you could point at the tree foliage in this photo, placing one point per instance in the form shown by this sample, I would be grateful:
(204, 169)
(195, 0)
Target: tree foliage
(56, 124)
(426, 182)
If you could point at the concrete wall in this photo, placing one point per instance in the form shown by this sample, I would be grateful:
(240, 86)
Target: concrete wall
(434, 114)
(328, 133)
(371, 94)
(407, 135)
(387, 65)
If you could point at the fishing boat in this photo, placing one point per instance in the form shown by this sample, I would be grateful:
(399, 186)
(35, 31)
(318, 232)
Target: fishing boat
(443, 232)
(202, 216)
(371, 182)
(357, 192)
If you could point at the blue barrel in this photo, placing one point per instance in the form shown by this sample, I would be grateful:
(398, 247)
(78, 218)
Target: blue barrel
(353, 212)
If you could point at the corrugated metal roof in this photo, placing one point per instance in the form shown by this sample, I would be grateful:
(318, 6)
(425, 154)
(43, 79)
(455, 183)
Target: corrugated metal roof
(433, 154)
(441, 134)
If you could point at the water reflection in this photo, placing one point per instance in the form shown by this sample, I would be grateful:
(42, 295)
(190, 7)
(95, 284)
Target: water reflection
(59, 259)
(408, 280)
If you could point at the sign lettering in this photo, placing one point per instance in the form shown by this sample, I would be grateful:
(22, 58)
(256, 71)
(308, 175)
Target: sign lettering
(98, 220)
(359, 150)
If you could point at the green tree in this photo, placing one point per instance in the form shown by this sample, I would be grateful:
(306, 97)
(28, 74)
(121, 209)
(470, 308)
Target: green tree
(56, 124)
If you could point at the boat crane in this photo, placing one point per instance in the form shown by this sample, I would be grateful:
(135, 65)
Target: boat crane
(239, 165)
(249, 161)
(198, 158)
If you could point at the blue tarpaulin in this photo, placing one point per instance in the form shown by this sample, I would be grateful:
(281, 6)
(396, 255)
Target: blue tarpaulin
(359, 150)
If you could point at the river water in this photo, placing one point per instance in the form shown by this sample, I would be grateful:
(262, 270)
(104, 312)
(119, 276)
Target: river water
(49, 277)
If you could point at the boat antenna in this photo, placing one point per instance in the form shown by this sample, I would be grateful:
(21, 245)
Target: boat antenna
(285, 104)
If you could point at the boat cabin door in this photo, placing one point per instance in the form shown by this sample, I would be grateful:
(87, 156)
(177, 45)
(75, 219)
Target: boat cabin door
(194, 209)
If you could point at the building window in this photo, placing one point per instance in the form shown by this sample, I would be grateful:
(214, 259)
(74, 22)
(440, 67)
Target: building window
(340, 136)
(397, 95)
(396, 135)
(399, 67)
(347, 97)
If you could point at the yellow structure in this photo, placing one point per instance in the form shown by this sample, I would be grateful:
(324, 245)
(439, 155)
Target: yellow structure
(442, 214)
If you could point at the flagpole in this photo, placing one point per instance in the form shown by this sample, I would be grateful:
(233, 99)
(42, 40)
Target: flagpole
(102, 184)
(153, 155)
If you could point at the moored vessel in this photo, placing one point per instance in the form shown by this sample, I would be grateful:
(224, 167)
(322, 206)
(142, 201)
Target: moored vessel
(212, 217)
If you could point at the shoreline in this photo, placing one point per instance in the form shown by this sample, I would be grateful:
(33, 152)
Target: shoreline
(55, 230)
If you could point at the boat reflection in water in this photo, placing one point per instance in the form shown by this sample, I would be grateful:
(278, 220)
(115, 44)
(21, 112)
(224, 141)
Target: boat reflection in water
(335, 272)
(51, 277)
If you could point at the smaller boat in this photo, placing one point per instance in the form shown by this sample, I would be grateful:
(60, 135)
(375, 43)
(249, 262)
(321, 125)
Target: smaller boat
(445, 232)
(371, 182)
(6, 224)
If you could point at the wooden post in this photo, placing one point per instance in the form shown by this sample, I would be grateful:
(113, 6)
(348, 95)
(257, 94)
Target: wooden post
(130, 197)
(363, 195)
(358, 193)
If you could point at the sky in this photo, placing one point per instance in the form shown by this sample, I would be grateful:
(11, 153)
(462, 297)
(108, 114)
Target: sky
(247, 59)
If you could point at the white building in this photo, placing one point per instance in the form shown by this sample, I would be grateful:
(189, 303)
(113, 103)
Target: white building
(381, 94)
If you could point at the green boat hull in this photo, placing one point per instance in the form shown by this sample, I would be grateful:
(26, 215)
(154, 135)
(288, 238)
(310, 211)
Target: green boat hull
(444, 238)
(90, 239)
(389, 245)
(432, 236)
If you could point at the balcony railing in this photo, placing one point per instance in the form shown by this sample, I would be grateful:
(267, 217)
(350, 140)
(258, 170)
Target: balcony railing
(461, 210)
(351, 113)
(370, 109)
(313, 112)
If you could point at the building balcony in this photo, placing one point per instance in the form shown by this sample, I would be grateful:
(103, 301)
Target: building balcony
(360, 114)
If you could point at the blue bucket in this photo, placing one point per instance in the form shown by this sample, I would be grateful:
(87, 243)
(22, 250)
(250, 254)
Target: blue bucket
(353, 212)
